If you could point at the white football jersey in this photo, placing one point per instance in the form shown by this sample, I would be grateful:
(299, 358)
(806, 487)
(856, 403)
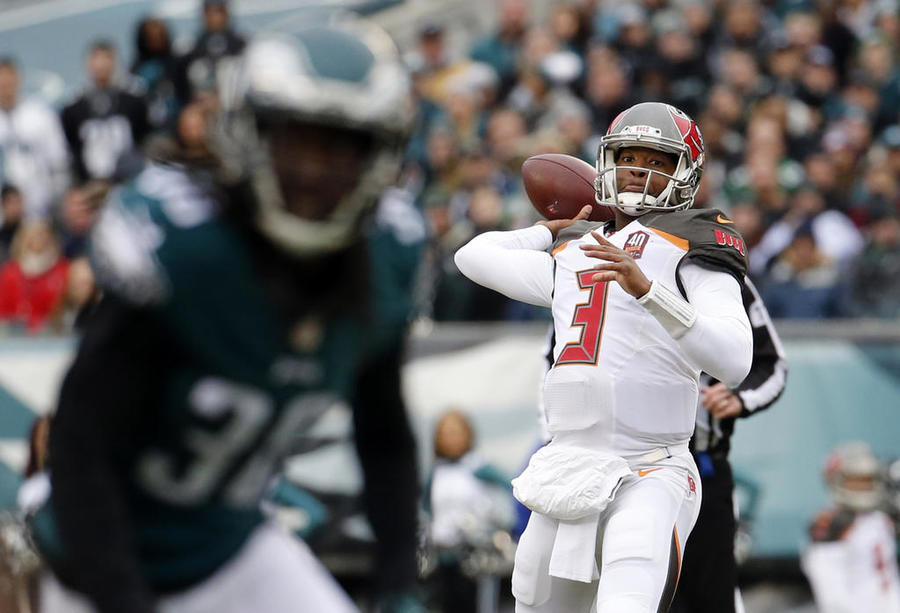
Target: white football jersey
(857, 570)
(603, 331)
(621, 382)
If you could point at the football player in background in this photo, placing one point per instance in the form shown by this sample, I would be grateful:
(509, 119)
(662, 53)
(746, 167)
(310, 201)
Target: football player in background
(240, 302)
(616, 492)
(851, 559)
(708, 582)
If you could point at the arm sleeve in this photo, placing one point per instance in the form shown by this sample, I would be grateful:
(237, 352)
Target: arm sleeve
(514, 263)
(101, 402)
(768, 372)
(720, 341)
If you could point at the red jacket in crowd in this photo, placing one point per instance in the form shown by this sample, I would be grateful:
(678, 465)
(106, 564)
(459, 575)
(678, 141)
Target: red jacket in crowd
(31, 300)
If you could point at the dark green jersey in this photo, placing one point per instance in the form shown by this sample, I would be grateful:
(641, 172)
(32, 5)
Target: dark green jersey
(238, 384)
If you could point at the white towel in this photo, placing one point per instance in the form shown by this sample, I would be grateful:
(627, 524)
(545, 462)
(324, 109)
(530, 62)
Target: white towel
(574, 554)
(569, 483)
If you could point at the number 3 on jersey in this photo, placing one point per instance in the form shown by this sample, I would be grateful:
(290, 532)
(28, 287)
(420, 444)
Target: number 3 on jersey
(590, 316)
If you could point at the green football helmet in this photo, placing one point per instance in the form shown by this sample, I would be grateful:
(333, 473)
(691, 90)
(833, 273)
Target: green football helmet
(316, 121)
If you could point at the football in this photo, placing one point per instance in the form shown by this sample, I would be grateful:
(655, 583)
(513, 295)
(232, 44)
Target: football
(559, 185)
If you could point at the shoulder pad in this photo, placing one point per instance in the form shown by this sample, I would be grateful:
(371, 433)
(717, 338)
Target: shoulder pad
(180, 200)
(575, 231)
(142, 219)
(397, 214)
(123, 249)
(831, 525)
(710, 237)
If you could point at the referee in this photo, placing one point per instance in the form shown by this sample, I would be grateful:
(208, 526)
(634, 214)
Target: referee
(708, 582)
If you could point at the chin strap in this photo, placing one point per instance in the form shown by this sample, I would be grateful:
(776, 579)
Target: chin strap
(676, 314)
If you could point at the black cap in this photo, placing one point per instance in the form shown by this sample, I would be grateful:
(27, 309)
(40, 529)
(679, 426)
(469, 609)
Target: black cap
(431, 30)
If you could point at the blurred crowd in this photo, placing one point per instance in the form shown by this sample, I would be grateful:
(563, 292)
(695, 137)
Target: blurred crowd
(56, 167)
(798, 102)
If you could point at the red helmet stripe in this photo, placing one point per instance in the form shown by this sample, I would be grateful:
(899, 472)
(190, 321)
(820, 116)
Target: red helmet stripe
(616, 120)
(690, 134)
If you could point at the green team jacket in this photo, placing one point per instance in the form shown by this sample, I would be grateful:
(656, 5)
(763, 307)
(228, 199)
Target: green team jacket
(238, 386)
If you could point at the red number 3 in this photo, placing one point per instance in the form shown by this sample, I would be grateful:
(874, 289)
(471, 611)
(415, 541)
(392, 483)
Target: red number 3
(590, 316)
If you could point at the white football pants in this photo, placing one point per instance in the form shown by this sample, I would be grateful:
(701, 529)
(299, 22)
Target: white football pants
(640, 539)
(274, 572)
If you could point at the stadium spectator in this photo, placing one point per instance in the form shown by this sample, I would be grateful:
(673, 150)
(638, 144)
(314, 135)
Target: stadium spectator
(634, 40)
(570, 26)
(851, 557)
(155, 65)
(745, 26)
(80, 297)
(33, 281)
(106, 122)
(875, 274)
(197, 71)
(447, 290)
(505, 134)
(460, 497)
(836, 236)
(438, 71)
(501, 50)
(803, 282)
(80, 206)
(33, 154)
(680, 58)
(12, 212)
(890, 140)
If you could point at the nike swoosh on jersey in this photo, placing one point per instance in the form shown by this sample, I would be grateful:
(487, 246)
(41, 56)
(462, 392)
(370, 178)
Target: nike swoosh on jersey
(721, 219)
(647, 471)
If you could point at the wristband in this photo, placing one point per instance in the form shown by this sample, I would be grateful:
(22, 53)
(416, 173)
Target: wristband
(676, 314)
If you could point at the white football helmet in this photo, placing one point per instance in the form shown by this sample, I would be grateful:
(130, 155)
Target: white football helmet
(345, 76)
(652, 125)
(854, 477)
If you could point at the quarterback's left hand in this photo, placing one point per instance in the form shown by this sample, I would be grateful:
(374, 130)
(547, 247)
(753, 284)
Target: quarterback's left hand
(619, 266)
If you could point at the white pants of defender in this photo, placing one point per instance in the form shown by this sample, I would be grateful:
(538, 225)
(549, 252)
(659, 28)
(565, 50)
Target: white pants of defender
(274, 572)
(634, 544)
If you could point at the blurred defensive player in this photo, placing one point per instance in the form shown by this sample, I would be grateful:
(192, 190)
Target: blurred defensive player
(615, 493)
(851, 560)
(239, 302)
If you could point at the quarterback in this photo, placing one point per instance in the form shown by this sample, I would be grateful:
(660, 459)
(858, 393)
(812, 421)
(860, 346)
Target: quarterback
(237, 308)
(641, 306)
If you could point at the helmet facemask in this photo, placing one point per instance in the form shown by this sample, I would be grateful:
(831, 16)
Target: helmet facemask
(292, 107)
(658, 127)
(312, 202)
(676, 196)
(853, 475)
